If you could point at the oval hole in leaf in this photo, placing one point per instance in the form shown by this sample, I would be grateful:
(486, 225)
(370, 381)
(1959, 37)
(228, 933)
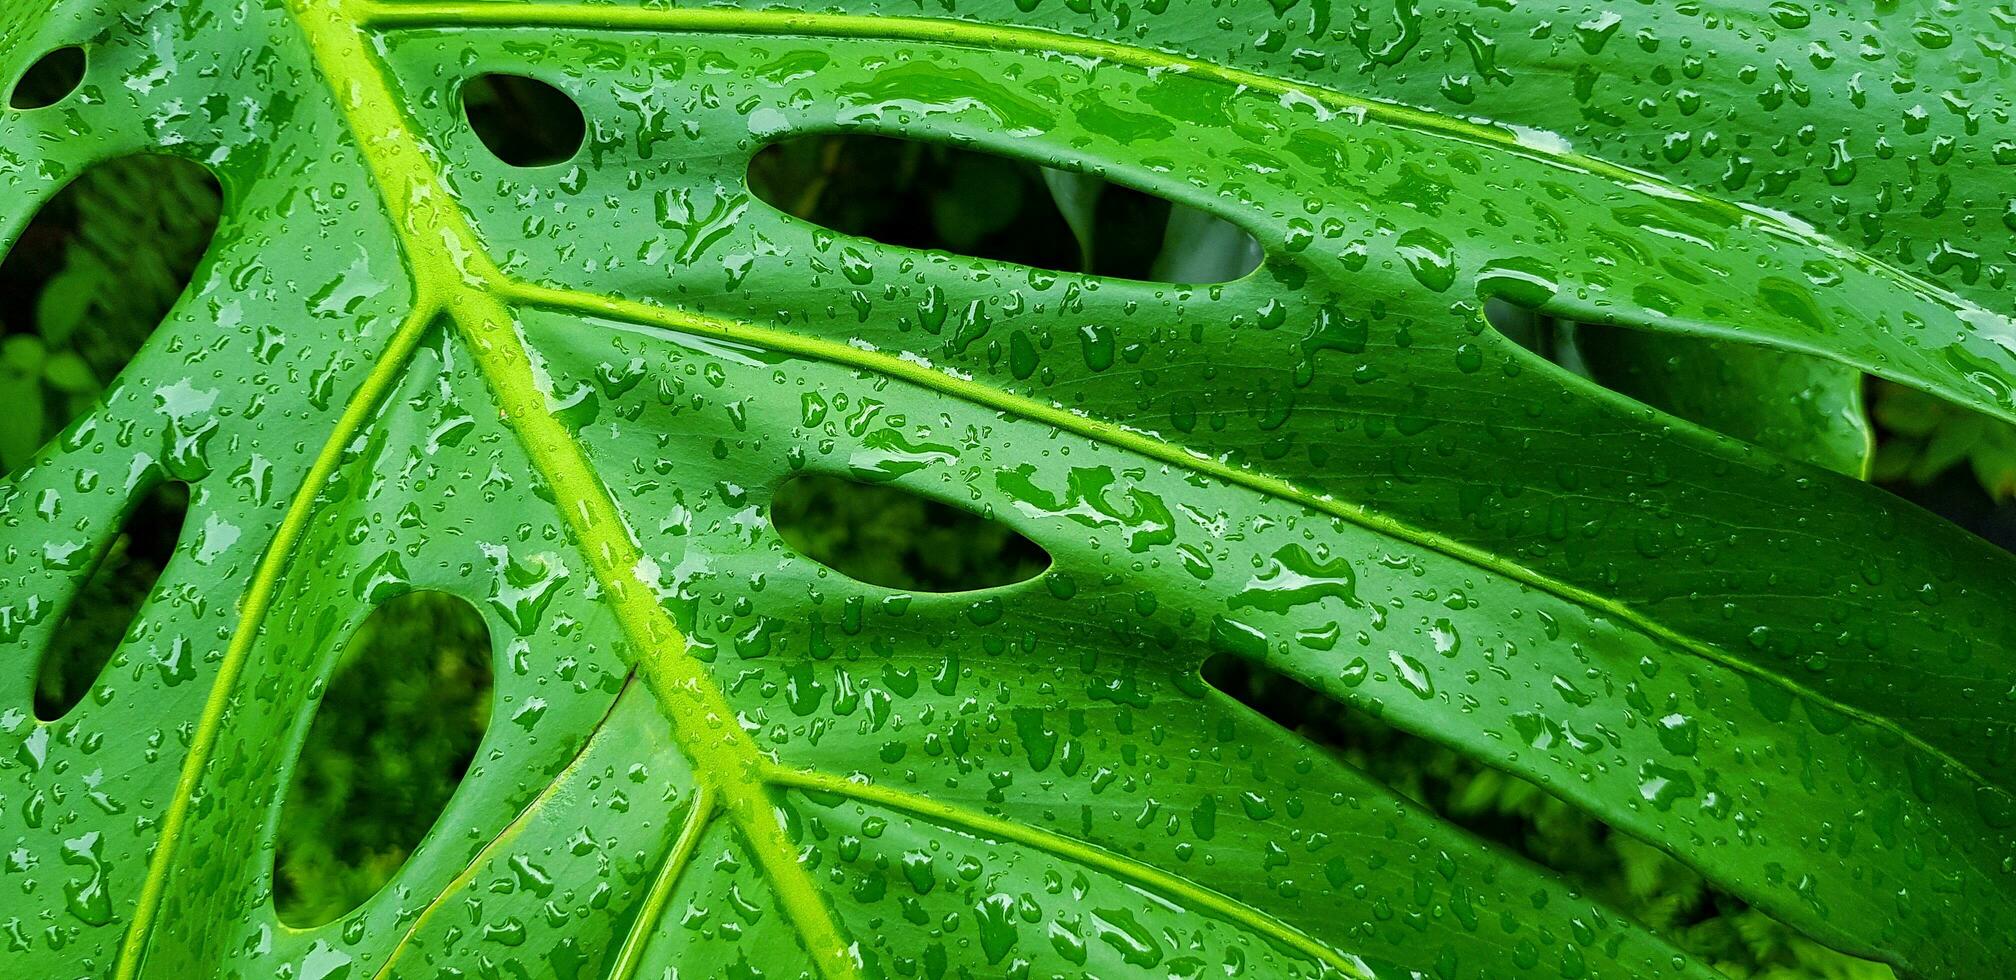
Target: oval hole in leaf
(397, 729)
(52, 77)
(107, 608)
(895, 539)
(87, 281)
(523, 121)
(922, 195)
(1523, 817)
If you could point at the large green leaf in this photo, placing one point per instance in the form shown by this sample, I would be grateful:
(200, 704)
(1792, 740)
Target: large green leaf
(567, 393)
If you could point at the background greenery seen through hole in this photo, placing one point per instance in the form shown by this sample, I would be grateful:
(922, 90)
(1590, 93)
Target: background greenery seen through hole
(932, 196)
(1619, 870)
(899, 540)
(120, 581)
(68, 321)
(397, 729)
(50, 79)
(523, 121)
(1952, 461)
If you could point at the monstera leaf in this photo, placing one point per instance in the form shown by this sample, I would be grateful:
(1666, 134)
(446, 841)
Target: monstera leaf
(565, 393)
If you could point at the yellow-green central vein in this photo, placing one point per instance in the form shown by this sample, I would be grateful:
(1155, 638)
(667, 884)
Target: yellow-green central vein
(456, 279)
(450, 270)
(444, 252)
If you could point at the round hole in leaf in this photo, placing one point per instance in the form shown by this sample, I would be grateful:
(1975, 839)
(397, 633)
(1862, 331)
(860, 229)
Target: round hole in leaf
(50, 79)
(86, 283)
(893, 538)
(523, 121)
(106, 609)
(397, 729)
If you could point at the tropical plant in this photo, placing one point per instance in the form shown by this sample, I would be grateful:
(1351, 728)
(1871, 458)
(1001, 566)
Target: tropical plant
(561, 382)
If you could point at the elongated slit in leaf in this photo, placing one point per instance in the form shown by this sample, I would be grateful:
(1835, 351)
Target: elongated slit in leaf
(893, 538)
(50, 79)
(396, 732)
(1796, 405)
(1519, 815)
(913, 194)
(87, 282)
(1799, 406)
(107, 607)
(523, 121)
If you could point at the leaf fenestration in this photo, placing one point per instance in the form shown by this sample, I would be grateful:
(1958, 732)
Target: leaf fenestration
(899, 540)
(524, 121)
(361, 798)
(120, 577)
(87, 282)
(50, 79)
(995, 206)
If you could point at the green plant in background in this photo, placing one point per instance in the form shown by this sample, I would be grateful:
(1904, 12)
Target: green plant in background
(85, 288)
(30, 376)
(1804, 408)
(1624, 872)
(411, 698)
(922, 196)
(898, 540)
(847, 602)
(1930, 436)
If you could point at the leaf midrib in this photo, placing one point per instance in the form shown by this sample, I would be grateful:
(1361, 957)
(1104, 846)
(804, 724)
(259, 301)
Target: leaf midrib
(454, 278)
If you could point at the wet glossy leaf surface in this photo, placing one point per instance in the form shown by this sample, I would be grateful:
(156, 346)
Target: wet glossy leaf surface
(565, 394)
